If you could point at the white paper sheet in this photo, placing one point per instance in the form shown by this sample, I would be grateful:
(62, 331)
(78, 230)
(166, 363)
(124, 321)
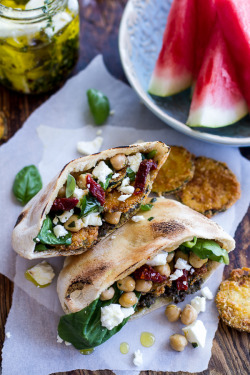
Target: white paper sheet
(48, 139)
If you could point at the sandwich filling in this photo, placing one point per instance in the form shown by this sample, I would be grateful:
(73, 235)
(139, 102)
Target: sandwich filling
(95, 202)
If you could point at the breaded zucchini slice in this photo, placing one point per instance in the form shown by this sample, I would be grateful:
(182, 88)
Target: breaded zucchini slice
(175, 172)
(233, 300)
(214, 187)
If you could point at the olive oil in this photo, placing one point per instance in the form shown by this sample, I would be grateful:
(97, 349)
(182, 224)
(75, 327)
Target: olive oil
(15, 4)
(147, 339)
(87, 351)
(124, 347)
(30, 278)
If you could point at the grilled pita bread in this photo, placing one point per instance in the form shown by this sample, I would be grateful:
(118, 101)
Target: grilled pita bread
(86, 276)
(34, 213)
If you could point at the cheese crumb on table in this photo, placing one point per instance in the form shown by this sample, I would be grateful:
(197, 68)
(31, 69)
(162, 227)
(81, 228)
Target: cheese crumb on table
(8, 335)
(90, 147)
(206, 292)
(42, 273)
(138, 360)
(59, 340)
(199, 303)
(196, 333)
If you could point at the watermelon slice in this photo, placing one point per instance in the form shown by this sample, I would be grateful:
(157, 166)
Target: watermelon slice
(217, 100)
(234, 17)
(174, 67)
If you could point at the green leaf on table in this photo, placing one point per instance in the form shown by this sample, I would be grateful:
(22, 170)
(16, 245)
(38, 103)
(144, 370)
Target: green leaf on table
(99, 106)
(46, 235)
(70, 186)
(27, 184)
(89, 204)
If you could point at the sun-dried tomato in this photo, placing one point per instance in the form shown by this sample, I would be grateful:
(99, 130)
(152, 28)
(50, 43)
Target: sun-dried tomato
(182, 282)
(64, 204)
(148, 273)
(95, 189)
(141, 176)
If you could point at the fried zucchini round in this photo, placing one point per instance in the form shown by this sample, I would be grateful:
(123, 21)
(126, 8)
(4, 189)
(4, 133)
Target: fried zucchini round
(175, 172)
(213, 189)
(233, 300)
(112, 204)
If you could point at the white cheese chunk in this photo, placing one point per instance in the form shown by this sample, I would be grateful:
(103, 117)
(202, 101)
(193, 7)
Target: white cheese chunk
(199, 303)
(115, 175)
(99, 132)
(92, 219)
(79, 193)
(138, 360)
(59, 231)
(101, 171)
(113, 314)
(134, 161)
(59, 340)
(138, 218)
(182, 264)
(67, 343)
(125, 182)
(123, 197)
(8, 335)
(158, 260)
(42, 273)
(176, 275)
(64, 216)
(91, 147)
(127, 189)
(196, 333)
(206, 292)
(55, 221)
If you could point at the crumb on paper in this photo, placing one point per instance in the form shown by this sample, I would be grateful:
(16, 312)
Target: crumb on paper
(90, 147)
(112, 112)
(67, 343)
(59, 340)
(99, 132)
(138, 360)
(8, 335)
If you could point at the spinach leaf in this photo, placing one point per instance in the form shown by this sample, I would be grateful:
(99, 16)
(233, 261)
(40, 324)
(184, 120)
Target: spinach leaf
(151, 218)
(99, 106)
(151, 154)
(131, 174)
(47, 236)
(27, 184)
(146, 207)
(84, 329)
(190, 244)
(207, 249)
(108, 178)
(40, 247)
(89, 204)
(70, 186)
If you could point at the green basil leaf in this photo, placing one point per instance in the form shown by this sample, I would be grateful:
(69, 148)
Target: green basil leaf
(99, 106)
(70, 186)
(108, 178)
(89, 204)
(131, 174)
(146, 207)
(151, 154)
(190, 244)
(47, 236)
(27, 184)
(84, 330)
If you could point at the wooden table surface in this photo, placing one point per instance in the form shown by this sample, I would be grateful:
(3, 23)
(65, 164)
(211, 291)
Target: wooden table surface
(99, 31)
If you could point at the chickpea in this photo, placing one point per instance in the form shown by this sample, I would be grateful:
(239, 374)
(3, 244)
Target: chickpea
(127, 284)
(118, 161)
(180, 254)
(81, 181)
(143, 286)
(163, 270)
(170, 257)
(73, 224)
(178, 342)
(62, 192)
(195, 261)
(188, 315)
(128, 299)
(107, 294)
(112, 217)
(172, 312)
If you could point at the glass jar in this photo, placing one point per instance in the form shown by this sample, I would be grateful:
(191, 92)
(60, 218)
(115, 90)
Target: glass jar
(39, 42)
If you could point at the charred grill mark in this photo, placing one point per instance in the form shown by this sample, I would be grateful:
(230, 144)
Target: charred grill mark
(167, 229)
(21, 217)
(127, 269)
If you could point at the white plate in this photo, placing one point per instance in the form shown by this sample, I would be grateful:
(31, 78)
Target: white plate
(140, 40)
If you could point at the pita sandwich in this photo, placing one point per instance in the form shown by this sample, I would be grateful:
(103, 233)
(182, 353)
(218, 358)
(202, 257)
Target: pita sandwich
(89, 199)
(170, 248)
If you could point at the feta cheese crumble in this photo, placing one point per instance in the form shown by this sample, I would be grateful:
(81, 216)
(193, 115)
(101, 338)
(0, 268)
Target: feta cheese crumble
(8, 335)
(116, 175)
(134, 161)
(199, 303)
(79, 193)
(113, 314)
(206, 292)
(182, 264)
(67, 343)
(101, 171)
(138, 360)
(59, 340)
(123, 197)
(127, 189)
(59, 231)
(42, 273)
(196, 333)
(138, 218)
(90, 147)
(99, 132)
(158, 260)
(64, 216)
(176, 275)
(92, 219)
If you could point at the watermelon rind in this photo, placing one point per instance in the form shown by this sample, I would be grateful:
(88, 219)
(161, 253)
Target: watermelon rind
(162, 86)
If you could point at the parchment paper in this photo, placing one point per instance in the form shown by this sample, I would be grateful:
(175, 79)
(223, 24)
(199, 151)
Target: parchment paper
(48, 139)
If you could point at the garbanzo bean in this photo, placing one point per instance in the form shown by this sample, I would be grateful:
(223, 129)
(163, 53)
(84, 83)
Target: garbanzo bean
(170, 257)
(195, 261)
(163, 270)
(172, 312)
(81, 181)
(143, 286)
(62, 192)
(107, 294)
(178, 342)
(118, 161)
(128, 299)
(74, 224)
(112, 217)
(188, 315)
(127, 284)
(180, 254)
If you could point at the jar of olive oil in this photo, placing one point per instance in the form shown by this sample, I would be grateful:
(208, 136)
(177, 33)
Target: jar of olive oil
(39, 42)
